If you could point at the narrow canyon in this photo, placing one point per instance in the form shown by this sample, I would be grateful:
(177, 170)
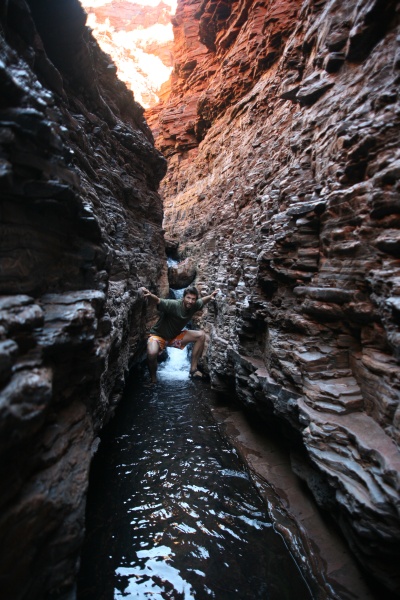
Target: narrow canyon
(270, 170)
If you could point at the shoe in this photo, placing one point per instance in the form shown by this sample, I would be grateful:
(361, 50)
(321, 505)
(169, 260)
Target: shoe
(197, 374)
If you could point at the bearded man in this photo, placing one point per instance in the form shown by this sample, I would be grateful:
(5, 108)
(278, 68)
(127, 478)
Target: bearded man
(169, 329)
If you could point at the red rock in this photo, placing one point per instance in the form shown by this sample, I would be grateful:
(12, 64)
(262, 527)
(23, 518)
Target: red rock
(281, 134)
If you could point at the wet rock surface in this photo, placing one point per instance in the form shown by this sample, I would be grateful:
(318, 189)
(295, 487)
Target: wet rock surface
(80, 232)
(182, 274)
(278, 471)
(283, 187)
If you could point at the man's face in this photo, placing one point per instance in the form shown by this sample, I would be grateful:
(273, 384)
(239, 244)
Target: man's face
(189, 300)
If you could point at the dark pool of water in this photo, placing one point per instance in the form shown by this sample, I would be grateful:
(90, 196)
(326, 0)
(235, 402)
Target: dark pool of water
(172, 513)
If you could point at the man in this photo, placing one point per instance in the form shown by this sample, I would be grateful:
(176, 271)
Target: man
(175, 314)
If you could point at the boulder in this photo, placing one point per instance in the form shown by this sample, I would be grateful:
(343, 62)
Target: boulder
(182, 274)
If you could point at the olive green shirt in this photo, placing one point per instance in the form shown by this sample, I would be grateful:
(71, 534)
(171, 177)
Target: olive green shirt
(173, 318)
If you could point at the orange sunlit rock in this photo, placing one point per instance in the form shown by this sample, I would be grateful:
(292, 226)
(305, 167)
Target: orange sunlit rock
(138, 37)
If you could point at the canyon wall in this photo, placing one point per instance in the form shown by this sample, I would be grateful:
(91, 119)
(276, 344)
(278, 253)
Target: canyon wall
(282, 137)
(80, 232)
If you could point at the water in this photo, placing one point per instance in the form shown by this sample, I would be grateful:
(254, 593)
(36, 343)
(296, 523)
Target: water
(172, 262)
(172, 513)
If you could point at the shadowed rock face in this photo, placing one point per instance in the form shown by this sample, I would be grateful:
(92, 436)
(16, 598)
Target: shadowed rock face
(282, 135)
(80, 232)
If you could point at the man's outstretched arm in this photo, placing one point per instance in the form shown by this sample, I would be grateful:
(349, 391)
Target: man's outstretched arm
(147, 294)
(206, 299)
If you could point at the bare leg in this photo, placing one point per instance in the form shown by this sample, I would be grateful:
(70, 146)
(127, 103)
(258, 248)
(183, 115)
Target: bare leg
(198, 337)
(152, 353)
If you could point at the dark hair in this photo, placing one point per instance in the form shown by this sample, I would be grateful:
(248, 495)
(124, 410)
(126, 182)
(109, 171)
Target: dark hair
(191, 290)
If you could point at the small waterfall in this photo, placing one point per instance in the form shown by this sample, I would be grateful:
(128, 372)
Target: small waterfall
(176, 367)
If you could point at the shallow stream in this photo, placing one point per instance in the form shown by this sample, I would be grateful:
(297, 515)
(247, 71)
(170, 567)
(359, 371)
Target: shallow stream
(172, 512)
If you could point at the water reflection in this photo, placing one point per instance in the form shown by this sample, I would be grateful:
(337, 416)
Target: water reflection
(171, 510)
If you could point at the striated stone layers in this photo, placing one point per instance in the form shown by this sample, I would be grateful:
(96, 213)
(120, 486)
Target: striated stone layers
(220, 49)
(282, 134)
(80, 232)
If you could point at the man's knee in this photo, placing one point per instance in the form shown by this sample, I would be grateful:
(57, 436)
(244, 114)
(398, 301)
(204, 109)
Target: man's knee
(152, 350)
(194, 335)
(199, 335)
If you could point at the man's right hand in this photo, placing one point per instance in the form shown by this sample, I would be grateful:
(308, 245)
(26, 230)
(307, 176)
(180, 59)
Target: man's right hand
(147, 294)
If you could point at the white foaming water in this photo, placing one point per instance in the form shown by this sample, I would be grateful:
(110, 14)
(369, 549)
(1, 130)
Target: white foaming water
(176, 366)
(172, 262)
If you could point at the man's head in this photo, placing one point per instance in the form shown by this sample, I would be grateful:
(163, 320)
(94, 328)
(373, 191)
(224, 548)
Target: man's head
(190, 296)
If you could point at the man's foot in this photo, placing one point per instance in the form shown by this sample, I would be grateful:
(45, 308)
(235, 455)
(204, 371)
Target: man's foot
(197, 374)
(150, 384)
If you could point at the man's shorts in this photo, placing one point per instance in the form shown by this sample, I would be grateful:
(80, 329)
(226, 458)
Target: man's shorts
(176, 342)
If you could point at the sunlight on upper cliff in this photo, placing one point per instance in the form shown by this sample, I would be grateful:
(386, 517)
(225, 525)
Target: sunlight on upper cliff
(140, 48)
(97, 3)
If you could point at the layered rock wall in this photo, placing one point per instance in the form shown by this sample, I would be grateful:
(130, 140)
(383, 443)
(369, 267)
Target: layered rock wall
(80, 232)
(282, 135)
